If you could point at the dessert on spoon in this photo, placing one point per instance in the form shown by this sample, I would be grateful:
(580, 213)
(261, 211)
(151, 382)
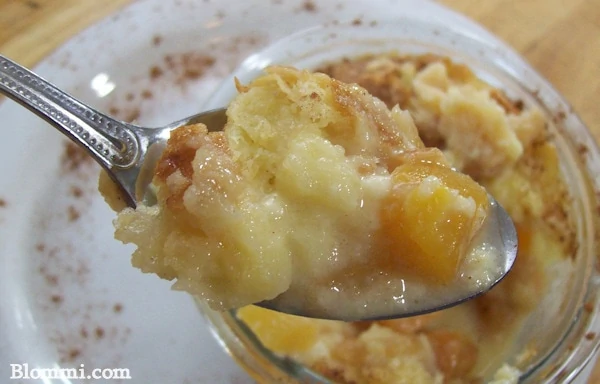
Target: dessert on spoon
(313, 199)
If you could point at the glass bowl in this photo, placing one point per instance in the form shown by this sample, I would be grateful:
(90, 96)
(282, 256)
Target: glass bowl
(565, 325)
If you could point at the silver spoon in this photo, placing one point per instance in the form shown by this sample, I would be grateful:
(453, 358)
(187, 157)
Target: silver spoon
(129, 154)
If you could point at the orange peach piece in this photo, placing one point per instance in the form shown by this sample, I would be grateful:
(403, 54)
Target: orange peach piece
(430, 217)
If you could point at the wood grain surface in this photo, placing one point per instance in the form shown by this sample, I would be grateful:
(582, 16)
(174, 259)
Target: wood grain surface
(560, 38)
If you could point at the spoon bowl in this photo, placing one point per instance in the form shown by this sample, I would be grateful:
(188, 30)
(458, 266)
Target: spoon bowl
(129, 154)
(498, 235)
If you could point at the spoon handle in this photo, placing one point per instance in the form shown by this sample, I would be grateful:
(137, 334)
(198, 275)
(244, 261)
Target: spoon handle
(112, 143)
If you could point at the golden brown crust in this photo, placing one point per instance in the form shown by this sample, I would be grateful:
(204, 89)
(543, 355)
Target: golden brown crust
(178, 158)
(180, 152)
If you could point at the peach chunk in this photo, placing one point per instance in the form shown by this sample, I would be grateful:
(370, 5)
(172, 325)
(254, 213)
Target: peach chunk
(279, 332)
(430, 217)
(455, 354)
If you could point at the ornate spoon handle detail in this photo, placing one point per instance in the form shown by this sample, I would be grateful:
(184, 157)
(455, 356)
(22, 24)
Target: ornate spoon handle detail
(112, 143)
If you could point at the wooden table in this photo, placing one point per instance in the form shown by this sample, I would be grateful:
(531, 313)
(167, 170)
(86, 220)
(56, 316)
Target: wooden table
(560, 38)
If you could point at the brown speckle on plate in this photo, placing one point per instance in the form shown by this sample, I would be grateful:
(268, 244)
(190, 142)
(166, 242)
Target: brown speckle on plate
(76, 191)
(74, 157)
(189, 65)
(72, 213)
(147, 94)
(309, 6)
(125, 114)
(2, 203)
(157, 40)
(155, 72)
(51, 279)
(73, 354)
(99, 332)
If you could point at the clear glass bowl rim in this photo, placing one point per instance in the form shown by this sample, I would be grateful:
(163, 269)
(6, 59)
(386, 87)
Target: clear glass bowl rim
(577, 347)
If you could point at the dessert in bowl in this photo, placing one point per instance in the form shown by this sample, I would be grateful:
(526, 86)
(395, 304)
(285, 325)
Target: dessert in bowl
(498, 121)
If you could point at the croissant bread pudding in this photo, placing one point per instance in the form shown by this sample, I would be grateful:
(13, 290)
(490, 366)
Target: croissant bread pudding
(313, 186)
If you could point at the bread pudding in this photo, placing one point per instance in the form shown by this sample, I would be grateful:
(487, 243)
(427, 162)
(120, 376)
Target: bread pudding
(506, 147)
(318, 190)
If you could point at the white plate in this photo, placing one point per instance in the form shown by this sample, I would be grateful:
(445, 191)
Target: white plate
(68, 294)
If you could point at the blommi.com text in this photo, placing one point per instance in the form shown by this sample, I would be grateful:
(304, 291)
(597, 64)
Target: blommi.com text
(23, 372)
